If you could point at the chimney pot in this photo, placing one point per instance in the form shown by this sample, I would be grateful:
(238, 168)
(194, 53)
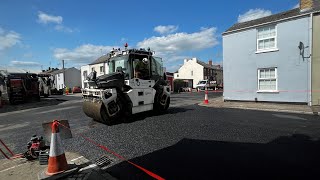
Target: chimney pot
(306, 5)
(210, 62)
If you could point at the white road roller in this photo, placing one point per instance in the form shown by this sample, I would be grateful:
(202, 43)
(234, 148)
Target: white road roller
(135, 83)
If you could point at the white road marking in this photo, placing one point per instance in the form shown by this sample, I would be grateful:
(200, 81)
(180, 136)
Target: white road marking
(58, 109)
(33, 109)
(289, 117)
(17, 112)
(88, 167)
(70, 102)
(15, 126)
(76, 158)
(12, 167)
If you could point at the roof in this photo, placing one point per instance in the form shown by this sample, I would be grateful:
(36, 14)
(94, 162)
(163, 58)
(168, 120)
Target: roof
(101, 59)
(9, 70)
(51, 71)
(61, 70)
(207, 65)
(268, 19)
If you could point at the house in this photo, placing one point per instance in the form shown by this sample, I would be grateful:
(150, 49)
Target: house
(100, 65)
(170, 78)
(69, 77)
(262, 61)
(194, 70)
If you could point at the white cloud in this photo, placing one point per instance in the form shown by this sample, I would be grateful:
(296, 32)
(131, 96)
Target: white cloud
(8, 39)
(173, 68)
(296, 6)
(166, 29)
(25, 63)
(28, 55)
(63, 29)
(44, 18)
(86, 53)
(180, 42)
(172, 47)
(253, 14)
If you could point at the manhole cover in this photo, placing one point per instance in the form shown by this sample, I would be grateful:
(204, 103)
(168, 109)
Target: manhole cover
(103, 161)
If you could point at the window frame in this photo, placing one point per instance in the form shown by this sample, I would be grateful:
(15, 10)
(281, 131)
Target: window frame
(275, 48)
(101, 69)
(275, 78)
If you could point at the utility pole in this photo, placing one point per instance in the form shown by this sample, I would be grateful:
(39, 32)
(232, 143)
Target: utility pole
(64, 77)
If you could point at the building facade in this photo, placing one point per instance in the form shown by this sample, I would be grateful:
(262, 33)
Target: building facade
(100, 66)
(194, 70)
(69, 77)
(262, 61)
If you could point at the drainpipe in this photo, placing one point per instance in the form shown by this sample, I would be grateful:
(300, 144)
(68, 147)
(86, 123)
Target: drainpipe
(310, 60)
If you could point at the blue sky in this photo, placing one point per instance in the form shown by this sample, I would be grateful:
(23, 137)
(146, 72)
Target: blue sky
(36, 34)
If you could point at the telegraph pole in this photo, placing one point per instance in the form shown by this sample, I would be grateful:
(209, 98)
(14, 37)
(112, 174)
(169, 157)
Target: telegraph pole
(64, 77)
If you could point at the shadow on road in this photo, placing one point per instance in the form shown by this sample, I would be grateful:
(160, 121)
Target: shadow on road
(31, 104)
(283, 158)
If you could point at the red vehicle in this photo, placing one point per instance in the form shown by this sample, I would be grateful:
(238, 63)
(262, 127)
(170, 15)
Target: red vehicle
(20, 87)
(76, 89)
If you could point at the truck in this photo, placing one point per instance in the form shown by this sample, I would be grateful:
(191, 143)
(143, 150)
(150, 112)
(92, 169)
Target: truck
(135, 83)
(19, 87)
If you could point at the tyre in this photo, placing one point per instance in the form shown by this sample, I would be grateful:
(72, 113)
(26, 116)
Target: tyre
(113, 113)
(161, 103)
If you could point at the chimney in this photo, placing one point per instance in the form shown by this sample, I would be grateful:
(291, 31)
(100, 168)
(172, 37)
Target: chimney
(210, 62)
(307, 5)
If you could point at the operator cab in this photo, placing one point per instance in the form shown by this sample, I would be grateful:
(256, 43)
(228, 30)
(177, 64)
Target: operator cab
(137, 64)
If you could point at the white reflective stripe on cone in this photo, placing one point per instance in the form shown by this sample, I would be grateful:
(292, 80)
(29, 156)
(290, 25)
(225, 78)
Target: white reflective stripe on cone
(56, 148)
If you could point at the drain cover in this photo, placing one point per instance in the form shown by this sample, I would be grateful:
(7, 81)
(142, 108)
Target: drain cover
(103, 161)
(43, 157)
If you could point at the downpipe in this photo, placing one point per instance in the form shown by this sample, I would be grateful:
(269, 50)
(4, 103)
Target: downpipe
(310, 60)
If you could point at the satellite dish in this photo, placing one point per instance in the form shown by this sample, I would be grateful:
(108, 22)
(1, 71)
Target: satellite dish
(301, 46)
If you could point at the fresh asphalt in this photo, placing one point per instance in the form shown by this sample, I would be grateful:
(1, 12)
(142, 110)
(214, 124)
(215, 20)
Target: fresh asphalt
(187, 142)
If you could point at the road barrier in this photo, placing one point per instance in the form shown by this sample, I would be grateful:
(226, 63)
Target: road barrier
(206, 101)
(57, 160)
(13, 156)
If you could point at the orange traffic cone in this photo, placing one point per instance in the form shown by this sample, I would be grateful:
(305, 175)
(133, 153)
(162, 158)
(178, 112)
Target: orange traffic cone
(206, 101)
(57, 160)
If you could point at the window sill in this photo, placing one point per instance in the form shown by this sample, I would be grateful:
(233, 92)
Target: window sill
(267, 50)
(267, 91)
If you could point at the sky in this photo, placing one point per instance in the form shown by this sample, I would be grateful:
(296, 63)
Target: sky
(37, 34)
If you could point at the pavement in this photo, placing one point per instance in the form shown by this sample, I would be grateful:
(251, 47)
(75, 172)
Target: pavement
(218, 102)
(21, 169)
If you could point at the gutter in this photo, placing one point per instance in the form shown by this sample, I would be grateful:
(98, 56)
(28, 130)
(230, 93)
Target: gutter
(262, 24)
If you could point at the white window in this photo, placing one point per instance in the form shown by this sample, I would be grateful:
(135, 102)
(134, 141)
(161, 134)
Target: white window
(266, 38)
(85, 74)
(101, 69)
(267, 79)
